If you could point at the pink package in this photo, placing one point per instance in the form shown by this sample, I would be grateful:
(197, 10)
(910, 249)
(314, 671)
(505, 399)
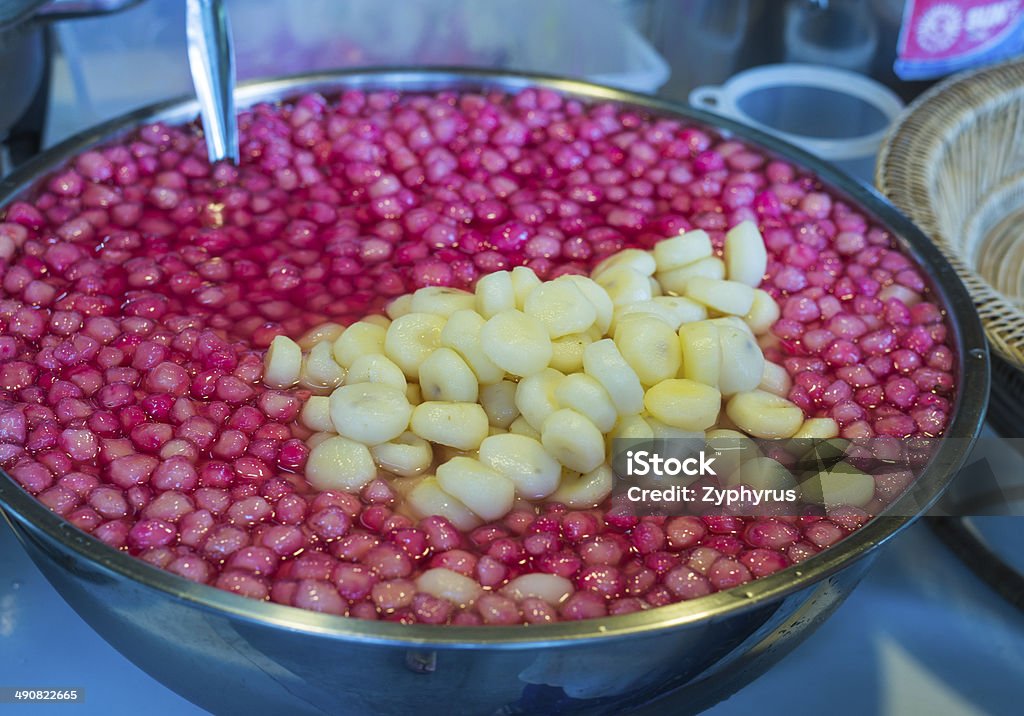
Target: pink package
(939, 37)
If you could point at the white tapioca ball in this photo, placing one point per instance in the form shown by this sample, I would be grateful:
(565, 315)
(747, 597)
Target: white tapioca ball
(636, 259)
(442, 300)
(746, 258)
(573, 440)
(650, 347)
(604, 362)
(378, 320)
(673, 310)
(702, 352)
(499, 402)
(764, 415)
(684, 403)
(732, 448)
(371, 413)
(598, 297)
(676, 280)
(517, 343)
(444, 375)
(583, 491)
(361, 338)
(682, 250)
(283, 363)
(338, 463)
(459, 425)
(316, 414)
(320, 372)
(586, 396)
(535, 396)
(486, 492)
(763, 313)
(407, 455)
(462, 334)
(625, 285)
(449, 585)
(495, 293)
(742, 361)
(731, 297)
(524, 461)
(376, 368)
(519, 426)
(549, 587)
(329, 332)
(664, 431)
(818, 429)
(561, 307)
(909, 297)
(630, 427)
(567, 351)
(411, 338)
(524, 280)
(775, 379)
(399, 306)
(427, 499)
(732, 322)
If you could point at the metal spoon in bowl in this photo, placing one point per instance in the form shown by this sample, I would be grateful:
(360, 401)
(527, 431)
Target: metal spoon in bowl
(211, 59)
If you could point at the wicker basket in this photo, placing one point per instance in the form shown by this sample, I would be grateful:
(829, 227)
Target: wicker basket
(954, 164)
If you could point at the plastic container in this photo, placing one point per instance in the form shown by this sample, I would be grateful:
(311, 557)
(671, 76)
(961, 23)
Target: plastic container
(138, 57)
(840, 116)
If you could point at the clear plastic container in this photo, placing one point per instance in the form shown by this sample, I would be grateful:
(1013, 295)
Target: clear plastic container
(118, 63)
(840, 116)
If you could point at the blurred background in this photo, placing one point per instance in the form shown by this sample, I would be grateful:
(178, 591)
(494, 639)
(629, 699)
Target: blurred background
(72, 63)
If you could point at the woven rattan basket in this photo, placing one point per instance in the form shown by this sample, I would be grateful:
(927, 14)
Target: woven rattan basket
(954, 164)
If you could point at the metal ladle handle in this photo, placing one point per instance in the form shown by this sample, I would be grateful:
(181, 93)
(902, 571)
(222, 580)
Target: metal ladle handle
(211, 59)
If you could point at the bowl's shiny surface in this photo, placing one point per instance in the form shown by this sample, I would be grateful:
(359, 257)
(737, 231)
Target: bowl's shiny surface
(226, 652)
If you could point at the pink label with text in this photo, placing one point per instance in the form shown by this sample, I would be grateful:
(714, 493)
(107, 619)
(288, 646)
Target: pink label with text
(949, 34)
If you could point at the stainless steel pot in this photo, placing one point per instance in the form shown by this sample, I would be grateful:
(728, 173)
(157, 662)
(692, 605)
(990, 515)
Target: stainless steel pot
(229, 654)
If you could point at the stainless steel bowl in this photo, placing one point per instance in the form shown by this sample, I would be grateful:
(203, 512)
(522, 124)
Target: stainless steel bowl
(230, 654)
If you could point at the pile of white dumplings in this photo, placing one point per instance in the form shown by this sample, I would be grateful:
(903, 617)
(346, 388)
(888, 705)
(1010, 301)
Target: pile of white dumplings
(469, 403)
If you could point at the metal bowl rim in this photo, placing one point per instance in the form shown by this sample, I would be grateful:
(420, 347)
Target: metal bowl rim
(968, 412)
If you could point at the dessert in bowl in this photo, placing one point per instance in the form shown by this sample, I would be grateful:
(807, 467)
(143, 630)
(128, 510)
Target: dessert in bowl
(376, 369)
